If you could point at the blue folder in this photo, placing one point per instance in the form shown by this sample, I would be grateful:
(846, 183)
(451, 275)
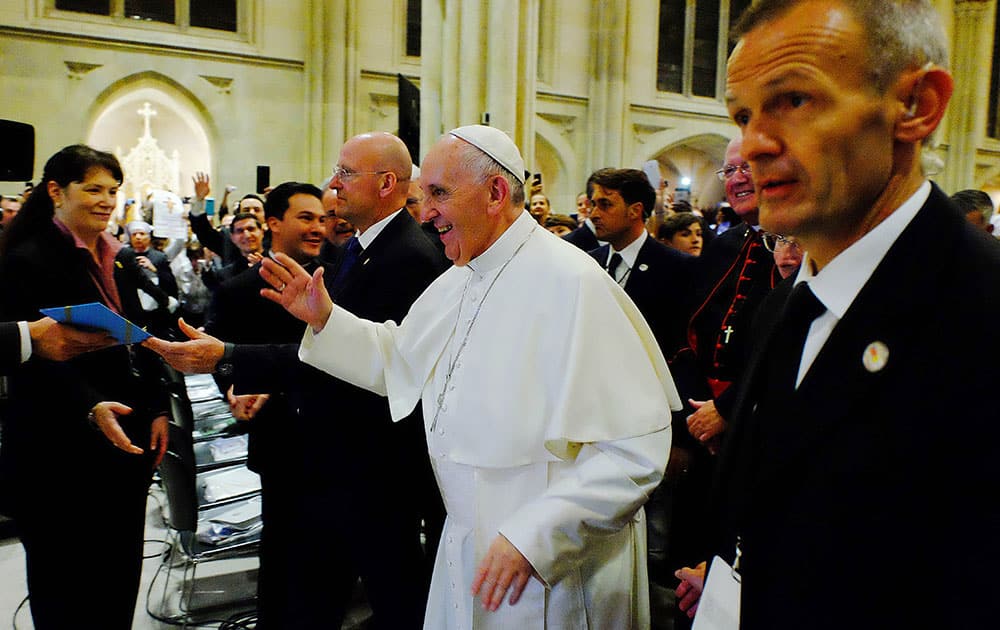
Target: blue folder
(98, 316)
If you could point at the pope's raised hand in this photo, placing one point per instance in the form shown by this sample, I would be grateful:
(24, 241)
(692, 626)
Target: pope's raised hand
(292, 287)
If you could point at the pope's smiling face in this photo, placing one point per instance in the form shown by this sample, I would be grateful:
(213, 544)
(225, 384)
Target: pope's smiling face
(458, 201)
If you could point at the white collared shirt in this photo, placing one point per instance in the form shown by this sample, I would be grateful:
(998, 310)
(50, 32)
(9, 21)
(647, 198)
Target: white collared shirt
(839, 282)
(368, 236)
(628, 254)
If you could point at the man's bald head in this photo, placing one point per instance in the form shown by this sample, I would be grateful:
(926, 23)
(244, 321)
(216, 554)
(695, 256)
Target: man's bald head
(372, 178)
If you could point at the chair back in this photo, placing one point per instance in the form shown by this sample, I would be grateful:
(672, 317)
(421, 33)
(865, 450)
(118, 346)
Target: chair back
(177, 472)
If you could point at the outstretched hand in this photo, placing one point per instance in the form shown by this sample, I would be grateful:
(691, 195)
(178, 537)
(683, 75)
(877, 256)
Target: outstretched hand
(292, 287)
(105, 415)
(198, 356)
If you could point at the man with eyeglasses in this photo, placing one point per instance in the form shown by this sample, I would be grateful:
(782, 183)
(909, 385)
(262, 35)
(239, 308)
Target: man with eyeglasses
(733, 274)
(365, 478)
(736, 271)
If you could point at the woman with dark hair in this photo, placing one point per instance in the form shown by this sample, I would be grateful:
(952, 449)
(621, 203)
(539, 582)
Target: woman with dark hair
(80, 438)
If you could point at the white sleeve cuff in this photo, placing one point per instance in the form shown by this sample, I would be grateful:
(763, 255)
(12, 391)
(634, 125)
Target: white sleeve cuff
(22, 327)
(197, 207)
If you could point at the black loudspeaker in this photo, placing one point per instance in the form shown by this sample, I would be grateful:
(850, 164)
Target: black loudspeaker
(263, 178)
(17, 156)
(409, 117)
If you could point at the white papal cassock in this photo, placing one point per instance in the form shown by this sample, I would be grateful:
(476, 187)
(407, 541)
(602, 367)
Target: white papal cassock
(552, 429)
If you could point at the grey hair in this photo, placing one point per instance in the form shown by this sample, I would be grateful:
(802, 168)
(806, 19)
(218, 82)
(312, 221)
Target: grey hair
(901, 34)
(486, 167)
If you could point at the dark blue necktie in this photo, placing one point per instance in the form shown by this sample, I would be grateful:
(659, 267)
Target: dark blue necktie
(351, 254)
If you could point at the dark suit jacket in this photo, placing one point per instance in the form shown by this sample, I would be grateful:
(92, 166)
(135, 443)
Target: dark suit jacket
(219, 241)
(10, 347)
(368, 480)
(240, 315)
(47, 437)
(584, 238)
(657, 283)
(388, 276)
(869, 499)
(130, 277)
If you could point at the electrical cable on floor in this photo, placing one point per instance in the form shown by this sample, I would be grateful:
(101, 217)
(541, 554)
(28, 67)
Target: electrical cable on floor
(241, 621)
(13, 620)
(182, 620)
(167, 547)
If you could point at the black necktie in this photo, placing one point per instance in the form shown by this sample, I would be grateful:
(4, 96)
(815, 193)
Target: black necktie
(351, 254)
(616, 259)
(801, 309)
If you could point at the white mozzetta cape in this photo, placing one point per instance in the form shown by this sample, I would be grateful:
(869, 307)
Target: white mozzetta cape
(553, 430)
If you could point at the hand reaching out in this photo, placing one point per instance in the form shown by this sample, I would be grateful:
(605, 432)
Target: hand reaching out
(302, 295)
(198, 356)
(105, 416)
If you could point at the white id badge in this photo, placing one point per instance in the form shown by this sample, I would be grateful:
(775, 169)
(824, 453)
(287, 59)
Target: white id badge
(719, 607)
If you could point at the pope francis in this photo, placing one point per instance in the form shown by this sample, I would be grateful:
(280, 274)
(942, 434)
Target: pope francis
(545, 397)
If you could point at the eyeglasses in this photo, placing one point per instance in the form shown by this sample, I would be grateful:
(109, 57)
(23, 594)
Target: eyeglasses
(729, 170)
(773, 241)
(343, 174)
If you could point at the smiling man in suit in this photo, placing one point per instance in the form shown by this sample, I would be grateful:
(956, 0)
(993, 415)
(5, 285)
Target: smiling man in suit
(859, 477)
(364, 478)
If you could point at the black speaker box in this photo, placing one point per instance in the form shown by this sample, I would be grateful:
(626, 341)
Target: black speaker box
(263, 178)
(17, 156)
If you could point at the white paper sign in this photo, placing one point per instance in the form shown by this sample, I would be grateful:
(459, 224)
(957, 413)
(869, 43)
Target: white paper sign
(168, 215)
(719, 606)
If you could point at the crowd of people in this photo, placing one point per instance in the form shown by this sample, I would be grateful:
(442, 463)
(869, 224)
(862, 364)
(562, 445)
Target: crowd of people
(504, 416)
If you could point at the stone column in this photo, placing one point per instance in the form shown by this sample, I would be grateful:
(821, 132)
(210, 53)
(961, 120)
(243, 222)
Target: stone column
(966, 112)
(607, 112)
(477, 57)
(329, 63)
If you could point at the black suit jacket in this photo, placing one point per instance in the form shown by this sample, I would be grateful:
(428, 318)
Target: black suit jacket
(47, 437)
(365, 478)
(584, 238)
(10, 347)
(869, 498)
(130, 277)
(353, 425)
(240, 315)
(658, 283)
